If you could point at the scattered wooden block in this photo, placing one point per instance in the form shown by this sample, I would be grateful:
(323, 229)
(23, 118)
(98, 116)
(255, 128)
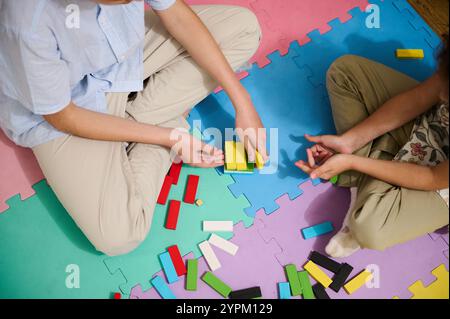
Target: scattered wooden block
(341, 277)
(172, 215)
(217, 284)
(294, 282)
(410, 54)
(165, 190)
(168, 267)
(191, 189)
(161, 288)
(223, 244)
(217, 226)
(210, 256)
(177, 260)
(305, 284)
(357, 282)
(325, 262)
(175, 172)
(249, 293)
(334, 180)
(192, 275)
(317, 230)
(320, 292)
(284, 290)
(318, 274)
(199, 202)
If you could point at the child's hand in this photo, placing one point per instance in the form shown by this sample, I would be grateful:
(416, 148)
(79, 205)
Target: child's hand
(334, 166)
(336, 143)
(194, 152)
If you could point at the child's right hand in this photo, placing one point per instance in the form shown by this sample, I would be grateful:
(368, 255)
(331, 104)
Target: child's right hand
(326, 147)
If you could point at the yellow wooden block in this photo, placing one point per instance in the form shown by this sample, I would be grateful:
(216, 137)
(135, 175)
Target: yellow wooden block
(230, 156)
(357, 282)
(199, 202)
(410, 54)
(318, 274)
(259, 161)
(241, 157)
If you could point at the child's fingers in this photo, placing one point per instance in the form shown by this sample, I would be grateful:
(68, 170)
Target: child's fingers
(311, 160)
(314, 139)
(304, 167)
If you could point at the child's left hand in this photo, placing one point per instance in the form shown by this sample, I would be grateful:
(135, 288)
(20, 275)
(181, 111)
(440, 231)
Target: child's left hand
(333, 166)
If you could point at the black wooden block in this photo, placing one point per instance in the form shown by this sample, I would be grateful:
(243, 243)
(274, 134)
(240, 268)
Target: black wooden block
(319, 292)
(341, 277)
(249, 293)
(325, 262)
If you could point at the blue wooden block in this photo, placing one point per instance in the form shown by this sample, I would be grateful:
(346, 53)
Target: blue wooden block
(317, 230)
(169, 268)
(162, 288)
(284, 289)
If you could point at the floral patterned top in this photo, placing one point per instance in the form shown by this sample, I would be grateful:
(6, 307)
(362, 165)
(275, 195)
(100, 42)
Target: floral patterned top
(429, 143)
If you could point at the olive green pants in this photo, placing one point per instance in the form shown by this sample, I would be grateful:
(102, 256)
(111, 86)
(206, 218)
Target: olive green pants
(384, 215)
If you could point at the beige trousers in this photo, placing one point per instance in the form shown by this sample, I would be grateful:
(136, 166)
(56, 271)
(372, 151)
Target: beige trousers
(109, 191)
(384, 215)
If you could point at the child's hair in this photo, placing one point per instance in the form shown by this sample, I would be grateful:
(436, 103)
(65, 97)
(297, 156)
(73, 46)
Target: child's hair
(443, 60)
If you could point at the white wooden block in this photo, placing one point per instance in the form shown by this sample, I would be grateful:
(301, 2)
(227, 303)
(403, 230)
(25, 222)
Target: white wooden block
(209, 255)
(222, 243)
(214, 226)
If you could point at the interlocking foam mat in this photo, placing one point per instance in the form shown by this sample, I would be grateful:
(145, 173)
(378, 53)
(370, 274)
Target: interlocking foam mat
(39, 240)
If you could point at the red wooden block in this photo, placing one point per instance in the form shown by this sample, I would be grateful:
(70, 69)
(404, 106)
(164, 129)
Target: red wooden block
(175, 171)
(177, 260)
(191, 189)
(165, 190)
(172, 216)
(117, 295)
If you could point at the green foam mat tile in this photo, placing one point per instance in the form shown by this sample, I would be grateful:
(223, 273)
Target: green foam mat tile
(39, 243)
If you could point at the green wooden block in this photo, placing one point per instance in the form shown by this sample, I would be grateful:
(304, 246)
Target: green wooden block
(217, 284)
(334, 180)
(292, 276)
(192, 275)
(305, 284)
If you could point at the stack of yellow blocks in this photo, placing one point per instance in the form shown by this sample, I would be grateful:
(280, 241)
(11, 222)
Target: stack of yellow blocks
(236, 159)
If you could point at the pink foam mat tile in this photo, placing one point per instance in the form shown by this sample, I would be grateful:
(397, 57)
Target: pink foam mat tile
(281, 24)
(19, 170)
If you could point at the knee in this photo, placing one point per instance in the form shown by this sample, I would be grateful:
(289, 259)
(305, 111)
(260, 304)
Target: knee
(250, 26)
(121, 238)
(117, 245)
(342, 65)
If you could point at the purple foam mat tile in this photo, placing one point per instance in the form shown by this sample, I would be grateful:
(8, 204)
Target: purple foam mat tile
(254, 265)
(399, 267)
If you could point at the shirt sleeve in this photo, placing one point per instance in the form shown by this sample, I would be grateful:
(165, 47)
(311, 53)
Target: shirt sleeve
(160, 4)
(36, 75)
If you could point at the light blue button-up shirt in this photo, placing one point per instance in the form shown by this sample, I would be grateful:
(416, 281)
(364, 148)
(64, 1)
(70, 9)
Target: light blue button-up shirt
(48, 59)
